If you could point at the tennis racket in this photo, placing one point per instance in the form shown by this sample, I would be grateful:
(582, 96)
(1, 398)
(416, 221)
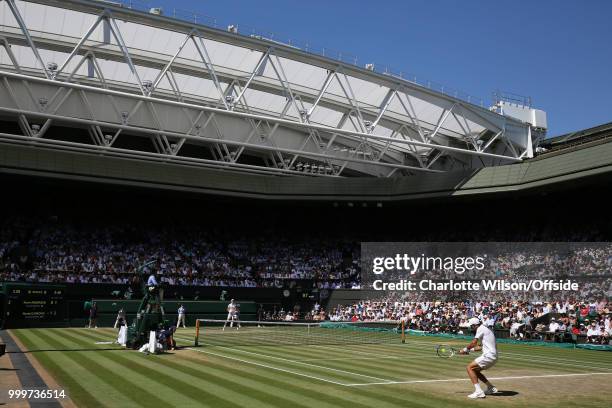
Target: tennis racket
(446, 351)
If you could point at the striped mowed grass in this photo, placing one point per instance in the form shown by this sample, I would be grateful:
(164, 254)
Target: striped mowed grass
(349, 375)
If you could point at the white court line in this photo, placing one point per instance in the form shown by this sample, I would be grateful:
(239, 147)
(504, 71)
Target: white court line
(302, 363)
(511, 356)
(268, 366)
(538, 359)
(552, 359)
(417, 345)
(535, 358)
(388, 382)
(467, 379)
(501, 352)
(423, 345)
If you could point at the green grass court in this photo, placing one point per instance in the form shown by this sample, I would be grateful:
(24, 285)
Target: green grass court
(350, 375)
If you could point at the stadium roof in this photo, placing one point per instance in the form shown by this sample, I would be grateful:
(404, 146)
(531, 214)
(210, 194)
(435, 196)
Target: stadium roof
(577, 138)
(546, 171)
(144, 85)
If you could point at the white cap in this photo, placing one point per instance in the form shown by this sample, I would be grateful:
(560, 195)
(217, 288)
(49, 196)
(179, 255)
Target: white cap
(474, 321)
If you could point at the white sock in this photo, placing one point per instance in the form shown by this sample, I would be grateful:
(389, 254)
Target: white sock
(477, 387)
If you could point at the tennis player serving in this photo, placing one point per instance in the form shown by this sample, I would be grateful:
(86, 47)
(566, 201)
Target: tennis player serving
(485, 361)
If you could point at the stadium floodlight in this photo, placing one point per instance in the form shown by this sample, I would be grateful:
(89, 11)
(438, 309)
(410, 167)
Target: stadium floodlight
(52, 68)
(35, 128)
(232, 28)
(369, 67)
(108, 139)
(229, 99)
(43, 102)
(124, 116)
(147, 84)
(156, 10)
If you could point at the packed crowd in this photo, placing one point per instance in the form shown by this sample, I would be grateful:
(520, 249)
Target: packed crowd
(558, 321)
(62, 252)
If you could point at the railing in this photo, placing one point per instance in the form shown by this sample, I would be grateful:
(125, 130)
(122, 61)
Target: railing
(305, 46)
(499, 96)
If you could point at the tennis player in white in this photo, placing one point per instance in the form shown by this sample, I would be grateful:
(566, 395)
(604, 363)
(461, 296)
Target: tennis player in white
(485, 361)
(231, 315)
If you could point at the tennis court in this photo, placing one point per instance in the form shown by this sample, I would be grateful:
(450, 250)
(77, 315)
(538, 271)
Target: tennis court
(262, 373)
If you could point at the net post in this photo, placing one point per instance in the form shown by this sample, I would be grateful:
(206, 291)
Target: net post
(197, 332)
(403, 335)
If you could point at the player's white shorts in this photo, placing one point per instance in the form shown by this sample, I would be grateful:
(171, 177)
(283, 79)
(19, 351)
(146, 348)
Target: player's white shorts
(486, 361)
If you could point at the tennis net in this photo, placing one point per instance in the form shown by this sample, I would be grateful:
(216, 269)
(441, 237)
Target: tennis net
(217, 333)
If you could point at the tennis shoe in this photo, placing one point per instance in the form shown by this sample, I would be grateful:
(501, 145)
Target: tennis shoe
(477, 394)
(491, 390)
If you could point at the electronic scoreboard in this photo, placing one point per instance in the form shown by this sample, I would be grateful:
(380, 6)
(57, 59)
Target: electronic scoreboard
(33, 305)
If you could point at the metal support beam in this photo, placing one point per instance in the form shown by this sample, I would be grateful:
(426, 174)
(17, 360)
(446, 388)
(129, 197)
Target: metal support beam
(271, 119)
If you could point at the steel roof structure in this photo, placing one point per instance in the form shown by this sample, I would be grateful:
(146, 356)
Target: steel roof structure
(95, 76)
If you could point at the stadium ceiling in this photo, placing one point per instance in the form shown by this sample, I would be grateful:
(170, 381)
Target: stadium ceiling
(100, 77)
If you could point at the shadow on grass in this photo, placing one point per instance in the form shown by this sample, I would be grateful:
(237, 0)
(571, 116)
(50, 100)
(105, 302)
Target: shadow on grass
(165, 353)
(504, 394)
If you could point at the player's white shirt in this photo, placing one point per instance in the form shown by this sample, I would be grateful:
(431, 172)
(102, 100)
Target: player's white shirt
(486, 336)
(231, 308)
